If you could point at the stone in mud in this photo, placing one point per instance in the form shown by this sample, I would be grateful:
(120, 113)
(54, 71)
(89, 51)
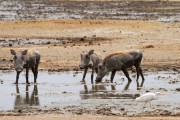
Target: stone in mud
(166, 113)
(122, 109)
(149, 46)
(90, 42)
(104, 111)
(63, 42)
(80, 112)
(178, 89)
(10, 44)
(48, 42)
(175, 69)
(19, 111)
(162, 89)
(82, 39)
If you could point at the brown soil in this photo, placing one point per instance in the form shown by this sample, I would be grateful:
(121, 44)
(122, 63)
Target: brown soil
(159, 41)
(83, 117)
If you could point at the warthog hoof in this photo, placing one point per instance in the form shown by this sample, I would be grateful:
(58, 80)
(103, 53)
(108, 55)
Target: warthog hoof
(83, 81)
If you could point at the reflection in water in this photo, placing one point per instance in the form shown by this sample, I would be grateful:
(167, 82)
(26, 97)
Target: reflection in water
(138, 86)
(32, 100)
(127, 85)
(52, 85)
(99, 91)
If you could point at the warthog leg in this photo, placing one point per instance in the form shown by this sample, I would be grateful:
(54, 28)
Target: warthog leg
(33, 70)
(140, 70)
(27, 75)
(84, 75)
(35, 73)
(96, 69)
(92, 74)
(112, 75)
(137, 70)
(17, 77)
(126, 73)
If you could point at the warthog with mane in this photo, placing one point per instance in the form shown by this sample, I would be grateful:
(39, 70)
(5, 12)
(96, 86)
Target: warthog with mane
(120, 61)
(26, 59)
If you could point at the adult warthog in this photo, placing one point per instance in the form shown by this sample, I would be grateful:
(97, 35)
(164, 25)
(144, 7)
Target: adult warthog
(26, 59)
(120, 61)
(86, 58)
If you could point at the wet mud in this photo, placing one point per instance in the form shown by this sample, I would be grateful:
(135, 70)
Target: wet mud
(62, 93)
(60, 41)
(165, 11)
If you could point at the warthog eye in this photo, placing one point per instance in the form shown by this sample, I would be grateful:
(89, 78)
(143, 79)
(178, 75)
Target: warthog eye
(87, 56)
(15, 57)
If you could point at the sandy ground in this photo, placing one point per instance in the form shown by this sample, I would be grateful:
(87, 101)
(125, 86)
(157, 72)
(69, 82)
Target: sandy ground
(159, 41)
(82, 117)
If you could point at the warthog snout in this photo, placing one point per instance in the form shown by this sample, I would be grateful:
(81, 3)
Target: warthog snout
(81, 67)
(19, 69)
(98, 79)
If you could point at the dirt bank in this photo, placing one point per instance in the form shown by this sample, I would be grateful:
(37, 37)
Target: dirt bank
(83, 117)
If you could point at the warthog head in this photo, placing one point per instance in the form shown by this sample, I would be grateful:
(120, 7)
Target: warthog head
(85, 59)
(101, 72)
(18, 60)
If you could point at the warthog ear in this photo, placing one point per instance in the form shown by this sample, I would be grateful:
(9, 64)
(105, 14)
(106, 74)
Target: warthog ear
(24, 52)
(13, 52)
(91, 52)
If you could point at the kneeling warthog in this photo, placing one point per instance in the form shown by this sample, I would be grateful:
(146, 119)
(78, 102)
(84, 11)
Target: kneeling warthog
(86, 58)
(26, 59)
(120, 61)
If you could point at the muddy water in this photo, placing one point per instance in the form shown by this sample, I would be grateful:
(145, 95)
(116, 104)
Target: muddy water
(52, 9)
(64, 91)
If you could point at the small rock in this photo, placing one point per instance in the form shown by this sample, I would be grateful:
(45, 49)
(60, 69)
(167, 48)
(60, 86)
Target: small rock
(10, 44)
(48, 42)
(63, 42)
(90, 43)
(147, 91)
(82, 39)
(149, 46)
(163, 89)
(177, 89)
(175, 69)
(19, 111)
(122, 109)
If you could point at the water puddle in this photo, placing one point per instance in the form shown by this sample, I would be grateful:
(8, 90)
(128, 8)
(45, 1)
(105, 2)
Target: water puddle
(31, 10)
(64, 89)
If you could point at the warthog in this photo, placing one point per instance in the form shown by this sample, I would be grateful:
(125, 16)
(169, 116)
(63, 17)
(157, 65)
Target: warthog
(120, 61)
(86, 58)
(26, 59)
